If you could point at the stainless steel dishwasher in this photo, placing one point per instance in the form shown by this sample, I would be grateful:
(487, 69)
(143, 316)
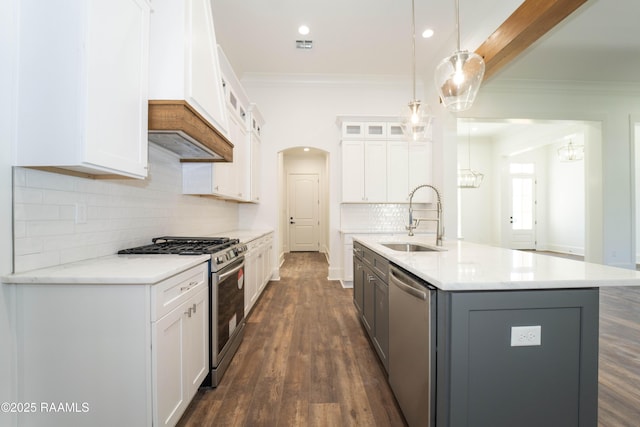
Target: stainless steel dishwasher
(411, 350)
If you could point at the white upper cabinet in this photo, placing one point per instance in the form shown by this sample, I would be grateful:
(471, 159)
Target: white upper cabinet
(183, 58)
(256, 121)
(409, 165)
(364, 171)
(380, 166)
(237, 180)
(83, 86)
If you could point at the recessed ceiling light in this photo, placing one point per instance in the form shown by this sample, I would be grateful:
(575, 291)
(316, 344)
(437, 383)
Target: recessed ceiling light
(306, 149)
(303, 29)
(428, 33)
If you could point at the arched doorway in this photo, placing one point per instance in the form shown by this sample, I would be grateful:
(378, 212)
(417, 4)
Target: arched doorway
(304, 199)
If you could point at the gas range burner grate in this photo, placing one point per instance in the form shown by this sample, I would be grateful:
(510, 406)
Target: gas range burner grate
(183, 246)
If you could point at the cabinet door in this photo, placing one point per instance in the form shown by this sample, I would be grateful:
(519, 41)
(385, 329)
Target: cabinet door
(268, 254)
(352, 130)
(204, 81)
(347, 262)
(83, 87)
(398, 172)
(255, 167)
(368, 306)
(420, 166)
(196, 351)
(375, 130)
(251, 279)
(381, 335)
(170, 398)
(227, 180)
(117, 69)
(358, 284)
(353, 171)
(375, 168)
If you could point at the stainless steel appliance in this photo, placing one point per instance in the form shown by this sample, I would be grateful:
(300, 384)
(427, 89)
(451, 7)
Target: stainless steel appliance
(412, 346)
(226, 291)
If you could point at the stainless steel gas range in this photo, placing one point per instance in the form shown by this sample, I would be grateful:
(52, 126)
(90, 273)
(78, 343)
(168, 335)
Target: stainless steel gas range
(226, 291)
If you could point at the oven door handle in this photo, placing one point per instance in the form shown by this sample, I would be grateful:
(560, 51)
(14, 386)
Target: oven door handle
(223, 276)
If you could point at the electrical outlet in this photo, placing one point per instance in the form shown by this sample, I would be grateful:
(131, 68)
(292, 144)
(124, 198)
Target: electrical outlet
(522, 336)
(81, 213)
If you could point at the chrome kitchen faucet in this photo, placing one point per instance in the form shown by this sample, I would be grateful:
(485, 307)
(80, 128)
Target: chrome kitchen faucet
(414, 222)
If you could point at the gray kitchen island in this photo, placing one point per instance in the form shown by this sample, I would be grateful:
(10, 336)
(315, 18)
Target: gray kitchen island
(474, 335)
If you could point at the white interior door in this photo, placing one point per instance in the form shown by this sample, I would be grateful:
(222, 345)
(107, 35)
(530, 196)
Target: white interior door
(522, 218)
(304, 206)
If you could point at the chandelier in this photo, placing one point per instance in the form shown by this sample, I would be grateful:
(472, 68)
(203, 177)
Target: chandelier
(571, 153)
(468, 178)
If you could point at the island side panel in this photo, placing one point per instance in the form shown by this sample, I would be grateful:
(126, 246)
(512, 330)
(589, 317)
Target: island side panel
(87, 347)
(484, 380)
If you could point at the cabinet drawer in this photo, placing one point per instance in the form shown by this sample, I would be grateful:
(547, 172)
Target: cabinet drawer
(170, 293)
(377, 263)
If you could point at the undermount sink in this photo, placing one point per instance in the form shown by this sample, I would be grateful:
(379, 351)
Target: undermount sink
(411, 247)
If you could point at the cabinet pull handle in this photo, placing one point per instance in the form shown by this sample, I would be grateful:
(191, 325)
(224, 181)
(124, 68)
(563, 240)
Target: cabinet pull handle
(188, 312)
(370, 278)
(194, 308)
(189, 286)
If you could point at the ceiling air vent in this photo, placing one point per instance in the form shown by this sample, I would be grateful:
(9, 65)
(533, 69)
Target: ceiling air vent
(304, 44)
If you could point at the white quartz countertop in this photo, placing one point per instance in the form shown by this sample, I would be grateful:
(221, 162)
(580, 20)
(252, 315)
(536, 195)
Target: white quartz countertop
(123, 269)
(467, 266)
(112, 269)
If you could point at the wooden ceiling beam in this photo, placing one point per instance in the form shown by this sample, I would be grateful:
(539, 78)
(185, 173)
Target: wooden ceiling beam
(528, 23)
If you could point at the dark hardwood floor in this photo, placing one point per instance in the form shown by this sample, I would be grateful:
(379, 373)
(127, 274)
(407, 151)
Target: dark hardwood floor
(305, 360)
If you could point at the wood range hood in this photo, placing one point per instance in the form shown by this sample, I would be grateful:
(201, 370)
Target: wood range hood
(178, 127)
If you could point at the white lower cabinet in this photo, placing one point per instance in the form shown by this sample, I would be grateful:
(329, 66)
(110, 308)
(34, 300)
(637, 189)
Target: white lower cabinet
(180, 357)
(258, 269)
(117, 355)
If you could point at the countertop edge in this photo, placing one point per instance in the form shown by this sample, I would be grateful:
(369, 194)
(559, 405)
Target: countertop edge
(146, 273)
(444, 271)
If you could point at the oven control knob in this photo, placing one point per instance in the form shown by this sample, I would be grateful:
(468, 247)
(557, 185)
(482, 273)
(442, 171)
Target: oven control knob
(220, 259)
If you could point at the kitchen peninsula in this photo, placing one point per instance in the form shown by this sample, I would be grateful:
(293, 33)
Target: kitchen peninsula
(502, 337)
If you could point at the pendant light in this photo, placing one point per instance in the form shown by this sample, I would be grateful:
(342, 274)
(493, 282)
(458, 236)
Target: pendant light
(468, 178)
(571, 153)
(458, 77)
(417, 121)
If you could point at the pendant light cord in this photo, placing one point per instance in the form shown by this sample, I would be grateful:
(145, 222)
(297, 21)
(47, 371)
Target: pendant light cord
(413, 30)
(458, 24)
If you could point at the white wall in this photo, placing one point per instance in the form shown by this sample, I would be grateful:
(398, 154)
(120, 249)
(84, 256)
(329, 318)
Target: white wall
(560, 187)
(477, 207)
(303, 112)
(8, 372)
(565, 203)
(610, 219)
(120, 213)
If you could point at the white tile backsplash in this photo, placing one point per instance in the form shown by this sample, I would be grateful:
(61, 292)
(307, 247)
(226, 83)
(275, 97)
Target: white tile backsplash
(119, 213)
(378, 217)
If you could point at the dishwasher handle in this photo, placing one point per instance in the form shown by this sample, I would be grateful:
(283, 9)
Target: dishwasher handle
(407, 284)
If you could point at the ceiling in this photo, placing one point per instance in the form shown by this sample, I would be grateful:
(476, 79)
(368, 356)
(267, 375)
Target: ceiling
(356, 37)
(600, 42)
